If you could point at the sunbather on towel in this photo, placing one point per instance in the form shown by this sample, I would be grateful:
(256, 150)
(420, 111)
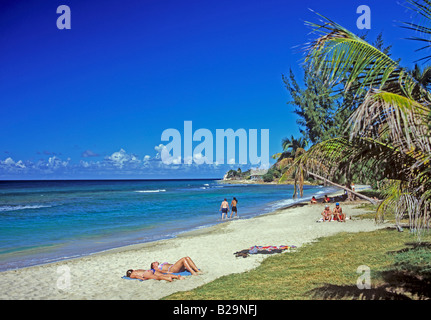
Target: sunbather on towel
(151, 274)
(181, 265)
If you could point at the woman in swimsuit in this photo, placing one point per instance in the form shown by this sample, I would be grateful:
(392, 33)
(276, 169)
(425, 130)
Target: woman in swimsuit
(151, 274)
(181, 265)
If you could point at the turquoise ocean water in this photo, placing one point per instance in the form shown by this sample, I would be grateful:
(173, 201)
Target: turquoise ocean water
(46, 221)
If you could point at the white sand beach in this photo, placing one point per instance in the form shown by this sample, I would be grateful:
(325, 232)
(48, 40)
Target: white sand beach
(99, 276)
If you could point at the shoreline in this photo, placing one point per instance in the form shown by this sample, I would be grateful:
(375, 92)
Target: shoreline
(98, 276)
(88, 245)
(249, 181)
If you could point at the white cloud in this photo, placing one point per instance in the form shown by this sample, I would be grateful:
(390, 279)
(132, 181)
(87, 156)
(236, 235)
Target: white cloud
(10, 165)
(121, 158)
(176, 160)
(117, 164)
(199, 159)
(20, 164)
(84, 164)
(55, 163)
(159, 150)
(9, 161)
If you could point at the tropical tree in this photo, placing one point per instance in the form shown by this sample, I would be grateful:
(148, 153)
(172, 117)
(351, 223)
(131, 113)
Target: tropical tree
(423, 76)
(322, 109)
(315, 105)
(291, 145)
(389, 132)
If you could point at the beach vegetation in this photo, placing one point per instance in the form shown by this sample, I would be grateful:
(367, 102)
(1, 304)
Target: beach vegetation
(272, 174)
(386, 132)
(327, 270)
(293, 145)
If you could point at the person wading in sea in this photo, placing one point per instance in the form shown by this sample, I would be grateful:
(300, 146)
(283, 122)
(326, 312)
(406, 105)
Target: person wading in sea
(224, 208)
(234, 208)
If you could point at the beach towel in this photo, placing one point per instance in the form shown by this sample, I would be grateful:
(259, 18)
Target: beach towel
(262, 250)
(184, 274)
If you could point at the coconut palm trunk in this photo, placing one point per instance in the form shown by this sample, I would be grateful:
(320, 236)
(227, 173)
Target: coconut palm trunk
(373, 201)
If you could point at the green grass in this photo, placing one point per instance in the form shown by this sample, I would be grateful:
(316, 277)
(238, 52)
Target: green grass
(327, 269)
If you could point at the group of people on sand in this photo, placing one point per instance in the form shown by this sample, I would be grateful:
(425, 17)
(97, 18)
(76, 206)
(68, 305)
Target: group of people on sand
(328, 215)
(169, 272)
(335, 215)
(224, 208)
(326, 199)
(165, 271)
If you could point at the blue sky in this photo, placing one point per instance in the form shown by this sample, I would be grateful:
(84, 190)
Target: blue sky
(92, 102)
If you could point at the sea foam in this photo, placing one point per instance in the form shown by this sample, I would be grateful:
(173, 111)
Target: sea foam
(151, 191)
(22, 207)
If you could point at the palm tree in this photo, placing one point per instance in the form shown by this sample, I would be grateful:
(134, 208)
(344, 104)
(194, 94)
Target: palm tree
(423, 76)
(290, 146)
(389, 132)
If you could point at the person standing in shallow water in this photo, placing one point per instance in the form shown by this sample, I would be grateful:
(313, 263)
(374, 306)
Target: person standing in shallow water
(234, 207)
(224, 208)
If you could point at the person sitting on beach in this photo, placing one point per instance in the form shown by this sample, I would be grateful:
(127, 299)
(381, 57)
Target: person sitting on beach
(151, 274)
(181, 265)
(327, 214)
(224, 208)
(338, 213)
(313, 200)
(326, 199)
(234, 209)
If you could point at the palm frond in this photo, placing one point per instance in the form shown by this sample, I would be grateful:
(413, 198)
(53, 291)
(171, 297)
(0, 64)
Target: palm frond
(344, 58)
(391, 117)
(337, 155)
(390, 131)
(423, 26)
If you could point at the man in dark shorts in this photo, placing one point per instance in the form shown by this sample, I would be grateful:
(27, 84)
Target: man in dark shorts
(234, 209)
(224, 208)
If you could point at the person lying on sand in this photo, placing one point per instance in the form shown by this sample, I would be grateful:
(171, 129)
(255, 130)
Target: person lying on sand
(181, 265)
(151, 274)
(327, 214)
(338, 213)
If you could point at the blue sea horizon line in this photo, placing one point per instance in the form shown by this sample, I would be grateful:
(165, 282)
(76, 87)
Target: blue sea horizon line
(110, 179)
